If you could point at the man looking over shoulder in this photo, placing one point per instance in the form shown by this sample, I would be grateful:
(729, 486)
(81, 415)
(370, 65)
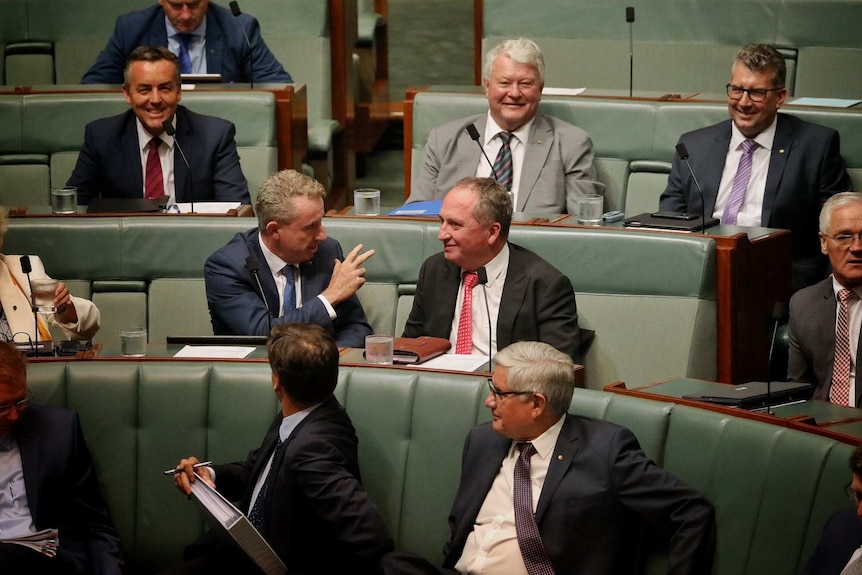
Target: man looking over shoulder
(132, 156)
(762, 168)
(546, 163)
(287, 270)
(206, 38)
(527, 298)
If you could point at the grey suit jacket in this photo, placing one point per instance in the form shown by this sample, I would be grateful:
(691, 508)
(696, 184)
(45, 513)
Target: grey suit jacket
(558, 164)
(812, 339)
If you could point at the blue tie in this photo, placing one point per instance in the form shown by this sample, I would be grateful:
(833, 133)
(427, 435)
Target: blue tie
(289, 273)
(255, 514)
(184, 57)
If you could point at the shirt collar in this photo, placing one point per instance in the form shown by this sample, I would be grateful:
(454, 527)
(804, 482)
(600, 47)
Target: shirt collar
(545, 443)
(837, 287)
(273, 262)
(522, 134)
(199, 31)
(144, 136)
(765, 138)
(494, 268)
(289, 423)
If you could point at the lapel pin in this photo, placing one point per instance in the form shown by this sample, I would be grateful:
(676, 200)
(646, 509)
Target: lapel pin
(14, 308)
(781, 151)
(559, 457)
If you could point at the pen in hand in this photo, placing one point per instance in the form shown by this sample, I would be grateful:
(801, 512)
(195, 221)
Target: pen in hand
(180, 470)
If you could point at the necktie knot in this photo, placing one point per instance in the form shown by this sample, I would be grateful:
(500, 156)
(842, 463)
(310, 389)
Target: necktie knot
(846, 295)
(506, 137)
(527, 450)
(154, 144)
(471, 279)
(748, 146)
(289, 273)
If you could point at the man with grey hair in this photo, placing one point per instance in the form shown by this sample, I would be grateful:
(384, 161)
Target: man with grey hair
(546, 163)
(287, 270)
(761, 168)
(825, 318)
(544, 491)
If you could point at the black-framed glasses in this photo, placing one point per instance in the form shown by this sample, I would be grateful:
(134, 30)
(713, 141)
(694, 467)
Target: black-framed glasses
(21, 405)
(754, 94)
(503, 394)
(844, 240)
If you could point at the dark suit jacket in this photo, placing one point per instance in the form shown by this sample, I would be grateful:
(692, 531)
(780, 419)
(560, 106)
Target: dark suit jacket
(63, 491)
(812, 339)
(538, 302)
(226, 50)
(318, 517)
(805, 169)
(235, 302)
(558, 164)
(109, 164)
(599, 492)
(841, 537)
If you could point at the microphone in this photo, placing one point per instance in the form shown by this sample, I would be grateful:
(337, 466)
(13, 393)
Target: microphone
(779, 312)
(630, 18)
(26, 267)
(252, 266)
(682, 152)
(169, 128)
(474, 134)
(234, 9)
(483, 279)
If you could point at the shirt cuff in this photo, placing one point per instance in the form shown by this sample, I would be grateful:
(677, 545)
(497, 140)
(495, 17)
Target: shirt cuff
(329, 309)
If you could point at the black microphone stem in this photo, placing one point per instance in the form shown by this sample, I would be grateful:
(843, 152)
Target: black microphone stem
(630, 18)
(27, 268)
(474, 134)
(169, 128)
(251, 265)
(234, 9)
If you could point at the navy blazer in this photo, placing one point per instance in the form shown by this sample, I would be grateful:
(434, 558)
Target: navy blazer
(63, 491)
(235, 303)
(317, 517)
(805, 169)
(226, 50)
(600, 491)
(538, 302)
(841, 537)
(109, 164)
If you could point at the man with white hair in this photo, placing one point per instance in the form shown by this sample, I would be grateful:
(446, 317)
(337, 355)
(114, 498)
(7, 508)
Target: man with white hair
(546, 163)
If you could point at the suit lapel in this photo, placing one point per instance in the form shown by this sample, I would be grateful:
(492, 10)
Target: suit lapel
(561, 460)
(214, 46)
(716, 155)
(538, 146)
(469, 161)
(182, 181)
(512, 299)
(777, 161)
(131, 154)
(266, 280)
(447, 297)
(480, 484)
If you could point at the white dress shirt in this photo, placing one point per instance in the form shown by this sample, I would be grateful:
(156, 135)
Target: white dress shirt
(196, 45)
(275, 265)
(166, 157)
(492, 144)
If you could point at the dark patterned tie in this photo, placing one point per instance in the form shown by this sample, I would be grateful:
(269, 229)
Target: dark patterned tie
(184, 57)
(839, 391)
(289, 273)
(256, 513)
(503, 163)
(532, 550)
(740, 184)
(5, 329)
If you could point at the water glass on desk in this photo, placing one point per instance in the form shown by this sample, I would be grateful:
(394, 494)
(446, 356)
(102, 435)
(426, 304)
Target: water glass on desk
(133, 343)
(43, 294)
(379, 349)
(64, 200)
(590, 209)
(366, 202)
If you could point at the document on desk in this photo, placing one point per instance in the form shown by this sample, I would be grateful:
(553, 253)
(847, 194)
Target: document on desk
(215, 351)
(233, 527)
(205, 207)
(454, 362)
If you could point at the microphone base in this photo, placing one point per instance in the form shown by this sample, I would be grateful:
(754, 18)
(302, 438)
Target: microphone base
(42, 349)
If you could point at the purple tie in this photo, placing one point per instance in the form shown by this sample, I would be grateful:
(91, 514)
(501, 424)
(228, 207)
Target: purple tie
(503, 163)
(532, 550)
(740, 184)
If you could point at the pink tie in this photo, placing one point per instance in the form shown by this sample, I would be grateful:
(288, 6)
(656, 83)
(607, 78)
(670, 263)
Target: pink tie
(154, 186)
(740, 184)
(839, 392)
(464, 343)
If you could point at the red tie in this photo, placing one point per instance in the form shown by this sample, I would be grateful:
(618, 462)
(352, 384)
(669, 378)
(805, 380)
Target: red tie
(464, 343)
(154, 186)
(839, 391)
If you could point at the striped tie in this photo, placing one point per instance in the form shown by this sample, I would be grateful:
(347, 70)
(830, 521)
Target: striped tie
(740, 184)
(839, 391)
(503, 163)
(184, 57)
(155, 185)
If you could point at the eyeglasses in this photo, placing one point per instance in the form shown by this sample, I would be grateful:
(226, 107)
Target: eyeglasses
(21, 405)
(844, 240)
(754, 94)
(498, 395)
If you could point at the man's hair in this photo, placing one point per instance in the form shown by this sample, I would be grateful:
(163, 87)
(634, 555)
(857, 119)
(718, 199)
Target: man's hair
(837, 201)
(275, 198)
(304, 357)
(856, 461)
(493, 202)
(12, 362)
(151, 54)
(521, 51)
(763, 59)
(537, 366)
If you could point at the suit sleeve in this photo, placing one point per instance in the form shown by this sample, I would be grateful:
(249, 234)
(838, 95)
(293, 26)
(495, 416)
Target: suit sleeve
(423, 187)
(557, 315)
(89, 318)
(833, 172)
(581, 177)
(86, 175)
(266, 67)
(415, 325)
(229, 183)
(108, 67)
(799, 364)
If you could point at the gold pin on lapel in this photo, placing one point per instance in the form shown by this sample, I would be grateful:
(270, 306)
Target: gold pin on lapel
(559, 457)
(781, 151)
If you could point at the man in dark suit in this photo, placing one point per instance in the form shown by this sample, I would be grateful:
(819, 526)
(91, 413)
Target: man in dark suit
(526, 297)
(207, 34)
(131, 155)
(301, 487)
(825, 318)
(550, 161)
(48, 482)
(287, 270)
(791, 168)
(839, 551)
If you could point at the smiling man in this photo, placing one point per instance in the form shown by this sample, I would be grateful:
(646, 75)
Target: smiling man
(287, 270)
(546, 163)
(131, 155)
(762, 168)
(825, 318)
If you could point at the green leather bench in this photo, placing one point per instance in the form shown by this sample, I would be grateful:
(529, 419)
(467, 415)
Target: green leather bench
(773, 487)
(650, 297)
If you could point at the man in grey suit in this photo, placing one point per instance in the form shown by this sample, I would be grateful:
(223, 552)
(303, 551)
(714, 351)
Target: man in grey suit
(523, 297)
(550, 162)
(825, 318)
(792, 166)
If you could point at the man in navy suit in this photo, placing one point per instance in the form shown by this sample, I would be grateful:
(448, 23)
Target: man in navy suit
(205, 36)
(48, 482)
(794, 167)
(840, 546)
(287, 270)
(132, 156)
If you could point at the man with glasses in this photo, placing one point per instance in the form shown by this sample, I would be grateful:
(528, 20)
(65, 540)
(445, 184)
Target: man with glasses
(839, 551)
(825, 318)
(762, 168)
(47, 481)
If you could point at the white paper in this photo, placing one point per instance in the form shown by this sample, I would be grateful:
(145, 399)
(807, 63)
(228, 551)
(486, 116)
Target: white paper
(546, 91)
(454, 362)
(204, 207)
(827, 102)
(215, 351)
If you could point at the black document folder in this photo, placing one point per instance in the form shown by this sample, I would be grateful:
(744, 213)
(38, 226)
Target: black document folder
(650, 222)
(753, 395)
(125, 205)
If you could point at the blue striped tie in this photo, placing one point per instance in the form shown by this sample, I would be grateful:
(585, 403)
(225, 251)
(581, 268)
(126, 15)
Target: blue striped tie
(184, 57)
(289, 273)
(503, 163)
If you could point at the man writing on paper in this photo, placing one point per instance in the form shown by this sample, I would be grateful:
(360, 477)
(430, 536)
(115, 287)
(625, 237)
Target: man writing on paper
(132, 156)
(287, 270)
(527, 298)
(762, 168)
(48, 482)
(301, 488)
